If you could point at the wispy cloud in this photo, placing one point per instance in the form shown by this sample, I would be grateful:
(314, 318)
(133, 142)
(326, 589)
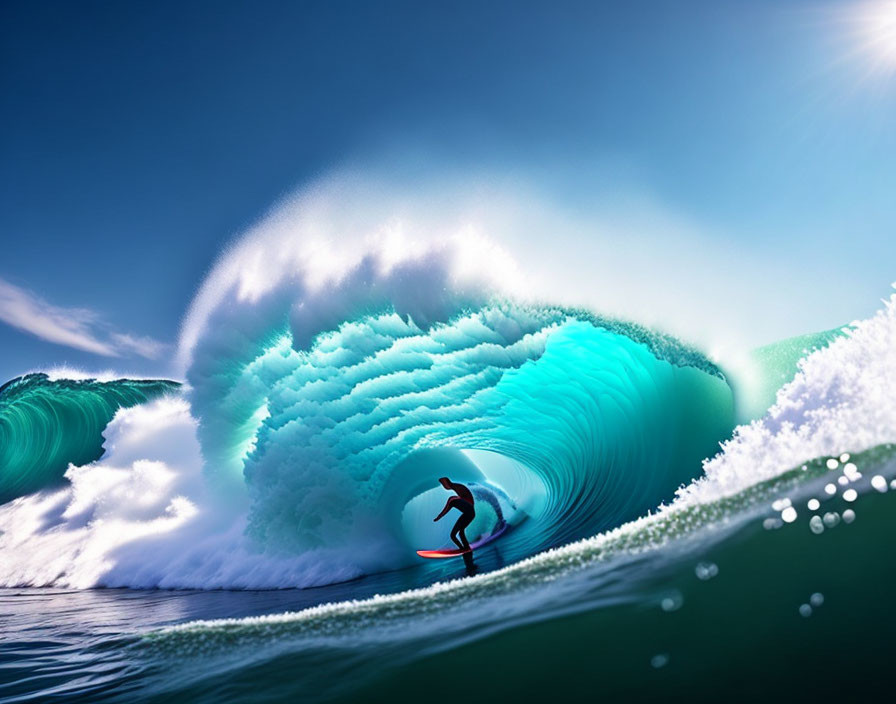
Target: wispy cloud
(144, 346)
(80, 328)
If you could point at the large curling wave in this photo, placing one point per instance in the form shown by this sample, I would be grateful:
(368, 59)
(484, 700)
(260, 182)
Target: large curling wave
(333, 373)
(335, 378)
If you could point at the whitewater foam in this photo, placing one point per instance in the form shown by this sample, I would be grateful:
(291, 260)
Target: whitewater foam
(323, 264)
(143, 517)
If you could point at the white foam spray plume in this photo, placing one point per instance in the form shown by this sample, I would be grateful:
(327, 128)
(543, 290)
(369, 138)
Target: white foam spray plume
(336, 243)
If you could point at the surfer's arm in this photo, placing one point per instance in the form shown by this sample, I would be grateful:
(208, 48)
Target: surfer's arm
(444, 510)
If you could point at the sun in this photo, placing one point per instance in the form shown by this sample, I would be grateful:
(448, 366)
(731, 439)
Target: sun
(875, 28)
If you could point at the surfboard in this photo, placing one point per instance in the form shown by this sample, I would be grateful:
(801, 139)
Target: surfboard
(439, 554)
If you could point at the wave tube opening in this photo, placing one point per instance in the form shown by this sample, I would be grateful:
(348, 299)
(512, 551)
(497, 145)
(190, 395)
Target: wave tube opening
(505, 492)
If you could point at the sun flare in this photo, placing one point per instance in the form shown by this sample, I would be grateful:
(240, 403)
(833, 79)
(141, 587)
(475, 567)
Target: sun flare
(875, 26)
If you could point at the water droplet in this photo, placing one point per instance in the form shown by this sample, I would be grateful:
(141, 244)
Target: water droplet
(832, 463)
(660, 660)
(844, 457)
(816, 525)
(849, 516)
(850, 495)
(706, 570)
(879, 483)
(842, 481)
(672, 602)
(831, 518)
(817, 599)
(805, 610)
(830, 489)
(788, 515)
(813, 505)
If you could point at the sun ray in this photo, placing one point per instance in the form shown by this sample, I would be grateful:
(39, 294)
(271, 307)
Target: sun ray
(872, 31)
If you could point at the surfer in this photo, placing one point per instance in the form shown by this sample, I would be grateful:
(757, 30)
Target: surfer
(463, 502)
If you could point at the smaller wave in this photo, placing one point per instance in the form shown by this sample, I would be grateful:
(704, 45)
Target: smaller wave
(48, 423)
(841, 400)
(757, 379)
(143, 517)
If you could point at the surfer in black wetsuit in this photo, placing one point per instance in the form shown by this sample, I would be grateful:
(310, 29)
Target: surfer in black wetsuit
(463, 502)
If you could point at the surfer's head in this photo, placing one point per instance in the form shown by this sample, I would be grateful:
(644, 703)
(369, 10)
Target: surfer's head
(445, 482)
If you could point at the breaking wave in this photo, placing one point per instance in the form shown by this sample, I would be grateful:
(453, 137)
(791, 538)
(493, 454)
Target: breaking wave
(332, 375)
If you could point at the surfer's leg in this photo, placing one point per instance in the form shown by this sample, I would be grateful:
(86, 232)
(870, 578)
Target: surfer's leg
(461, 528)
(454, 531)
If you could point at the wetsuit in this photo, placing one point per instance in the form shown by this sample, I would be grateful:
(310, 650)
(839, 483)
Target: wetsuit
(468, 513)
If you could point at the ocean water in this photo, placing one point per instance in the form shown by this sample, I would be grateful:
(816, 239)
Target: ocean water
(728, 596)
(668, 523)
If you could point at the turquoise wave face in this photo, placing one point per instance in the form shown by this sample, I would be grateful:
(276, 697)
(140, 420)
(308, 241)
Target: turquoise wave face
(581, 423)
(46, 425)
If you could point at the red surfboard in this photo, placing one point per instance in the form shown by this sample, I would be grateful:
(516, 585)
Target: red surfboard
(439, 554)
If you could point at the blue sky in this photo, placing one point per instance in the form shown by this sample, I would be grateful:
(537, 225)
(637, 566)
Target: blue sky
(745, 139)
